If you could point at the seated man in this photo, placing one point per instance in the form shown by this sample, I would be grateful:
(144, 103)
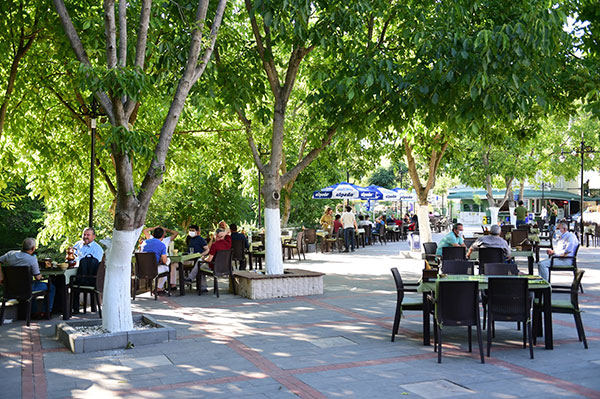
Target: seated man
(159, 249)
(167, 240)
(87, 246)
(235, 235)
(195, 242)
(493, 240)
(452, 239)
(222, 241)
(26, 258)
(362, 222)
(566, 246)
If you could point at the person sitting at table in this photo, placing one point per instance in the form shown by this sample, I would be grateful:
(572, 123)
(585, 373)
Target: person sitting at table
(195, 242)
(166, 239)
(452, 239)
(159, 249)
(492, 240)
(26, 258)
(566, 246)
(87, 246)
(326, 220)
(222, 241)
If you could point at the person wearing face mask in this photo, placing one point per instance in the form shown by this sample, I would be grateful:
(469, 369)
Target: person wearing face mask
(195, 242)
(452, 239)
(566, 246)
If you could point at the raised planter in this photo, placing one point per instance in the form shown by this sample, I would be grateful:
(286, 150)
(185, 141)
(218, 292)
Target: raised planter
(79, 343)
(294, 282)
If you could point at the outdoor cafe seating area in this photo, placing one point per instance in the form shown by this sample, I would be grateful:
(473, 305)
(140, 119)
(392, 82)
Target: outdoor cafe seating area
(456, 290)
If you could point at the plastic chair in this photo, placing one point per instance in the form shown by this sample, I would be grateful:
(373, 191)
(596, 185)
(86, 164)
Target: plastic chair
(489, 255)
(239, 253)
(221, 267)
(570, 306)
(430, 249)
(403, 303)
(297, 244)
(469, 242)
(454, 253)
(572, 267)
(497, 269)
(457, 267)
(146, 267)
(457, 304)
(368, 237)
(509, 300)
(88, 284)
(17, 285)
(520, 237)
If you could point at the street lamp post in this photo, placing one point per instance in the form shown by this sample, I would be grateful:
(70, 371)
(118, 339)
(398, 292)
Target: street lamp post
(93, 111)
(582, 150)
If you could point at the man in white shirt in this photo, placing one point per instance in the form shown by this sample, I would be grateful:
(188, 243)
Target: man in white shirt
(349, 223)
(87, 246)
(566, 246)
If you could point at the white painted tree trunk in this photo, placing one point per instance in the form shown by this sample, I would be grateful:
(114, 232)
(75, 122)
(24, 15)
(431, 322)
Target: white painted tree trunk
(116, 307)
(424, 227)
(273, 257)
(494, 214)
(513, 217)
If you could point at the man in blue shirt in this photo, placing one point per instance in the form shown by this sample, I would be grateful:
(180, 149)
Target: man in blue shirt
(26, 258)
(87, 246)
(566, 246)
(452, 239)
(159, 249)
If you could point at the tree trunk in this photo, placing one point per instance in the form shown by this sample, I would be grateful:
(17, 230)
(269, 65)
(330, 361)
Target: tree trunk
(494, 214)
(424, 227)
(271, 193)
(117, 283)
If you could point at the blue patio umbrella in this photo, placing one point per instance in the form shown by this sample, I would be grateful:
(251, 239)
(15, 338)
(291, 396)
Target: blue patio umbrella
(345, 190)
(384, 194)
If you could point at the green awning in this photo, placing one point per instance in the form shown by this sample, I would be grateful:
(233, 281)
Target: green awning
(468, 193)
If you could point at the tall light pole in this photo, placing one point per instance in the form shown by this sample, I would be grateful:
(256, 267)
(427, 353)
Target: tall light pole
(582, 150)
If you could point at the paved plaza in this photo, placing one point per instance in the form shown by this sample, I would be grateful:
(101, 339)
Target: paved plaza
(326, 346)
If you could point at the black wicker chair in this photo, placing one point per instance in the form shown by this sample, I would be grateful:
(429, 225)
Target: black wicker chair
(402, 302)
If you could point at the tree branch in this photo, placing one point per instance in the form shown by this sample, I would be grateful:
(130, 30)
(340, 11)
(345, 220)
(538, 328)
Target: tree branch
(122, 33)
(140, 49)
(293, 173)
(212, 40)
(110, 33)
(268, 64)
(79, 51)
(248, 127)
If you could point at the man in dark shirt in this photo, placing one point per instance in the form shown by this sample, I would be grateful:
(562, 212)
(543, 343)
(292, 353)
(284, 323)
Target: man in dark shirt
(237, 236)
(195, 242)
(26, 258)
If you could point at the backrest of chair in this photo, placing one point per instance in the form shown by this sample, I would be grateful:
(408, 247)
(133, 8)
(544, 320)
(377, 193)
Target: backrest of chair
(489, 255)
(300, 241)
(457, 267)
(469, 241)
(146, 265)
(399, 284)
(518, 237)
(501, 269)
(88, 266)
(368, 228)
(381, 229)
(451, 253)
(576, 250)
(222, 262)
(310, 236)
(505, 228)
(540, 224)
(575, 288)
(457, 303)
(508, 298)
(430, 248)
(17, 282)
(237, 246)
(100, 276)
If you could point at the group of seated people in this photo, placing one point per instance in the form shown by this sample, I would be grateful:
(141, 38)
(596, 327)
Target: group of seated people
(157, 241)
(565, 246)
(87, 247)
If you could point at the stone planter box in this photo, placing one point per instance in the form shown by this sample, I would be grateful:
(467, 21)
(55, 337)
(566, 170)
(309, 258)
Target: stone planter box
(79, 343)
(294, 282)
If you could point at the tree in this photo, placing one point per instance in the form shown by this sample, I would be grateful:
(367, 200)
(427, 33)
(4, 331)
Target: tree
(383, 177)
(118, 88)
(464, 63)
(299, 47)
